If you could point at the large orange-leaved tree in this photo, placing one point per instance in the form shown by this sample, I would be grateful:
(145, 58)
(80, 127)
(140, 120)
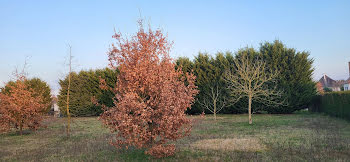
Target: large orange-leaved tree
(21, 107)
(150, 96)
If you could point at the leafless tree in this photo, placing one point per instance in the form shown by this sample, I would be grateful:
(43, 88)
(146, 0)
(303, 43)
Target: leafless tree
(251, 78)
(21, 73)
(214, 101)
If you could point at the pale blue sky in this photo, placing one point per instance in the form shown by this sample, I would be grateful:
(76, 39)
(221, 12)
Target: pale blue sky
(41, 30)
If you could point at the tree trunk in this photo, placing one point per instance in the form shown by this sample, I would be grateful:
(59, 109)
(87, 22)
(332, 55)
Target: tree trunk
(68, 122)
(68, 90)
(20, 129)
(68, 113)
(250, 109)
(150, 126)
(214, 110)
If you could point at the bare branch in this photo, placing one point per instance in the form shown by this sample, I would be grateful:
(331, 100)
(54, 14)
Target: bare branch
(251, 78)
(214, 101)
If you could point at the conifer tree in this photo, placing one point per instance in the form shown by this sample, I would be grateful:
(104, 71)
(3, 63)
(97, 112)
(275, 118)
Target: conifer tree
(85, 85)
(295, 77)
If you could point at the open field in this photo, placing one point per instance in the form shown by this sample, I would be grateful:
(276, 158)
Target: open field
(296, 137)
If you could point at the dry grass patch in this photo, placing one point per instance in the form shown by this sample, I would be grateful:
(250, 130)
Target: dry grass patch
(296, 137)
(230, 144)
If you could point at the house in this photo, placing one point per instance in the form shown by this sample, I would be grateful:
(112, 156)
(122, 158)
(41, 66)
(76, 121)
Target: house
(347, 85)
(327, 82)
(54, 107)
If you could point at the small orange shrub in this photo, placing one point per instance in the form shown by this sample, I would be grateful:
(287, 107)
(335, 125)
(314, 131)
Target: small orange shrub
(19, 109)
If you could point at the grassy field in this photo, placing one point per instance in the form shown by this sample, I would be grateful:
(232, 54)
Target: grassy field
(296, 137)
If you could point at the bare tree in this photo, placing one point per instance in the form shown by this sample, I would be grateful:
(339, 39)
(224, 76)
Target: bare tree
(20, 74)
(68, 90)
(251, 79)
(214, 101)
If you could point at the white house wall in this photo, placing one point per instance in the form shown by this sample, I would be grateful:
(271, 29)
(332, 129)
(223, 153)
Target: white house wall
(346, 87)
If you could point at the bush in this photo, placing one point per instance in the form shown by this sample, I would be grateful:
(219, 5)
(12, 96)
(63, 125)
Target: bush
(21, 106)
(315, 104)
(334, 103)
(38, 86)
(150, 95)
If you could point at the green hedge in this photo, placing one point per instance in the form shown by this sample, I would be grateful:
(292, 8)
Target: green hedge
(84, 86)
(334, 103)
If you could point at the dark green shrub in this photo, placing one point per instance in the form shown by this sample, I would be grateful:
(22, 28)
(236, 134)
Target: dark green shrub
(295, 77)
(315, 104)
(334, 103)
(84, 86)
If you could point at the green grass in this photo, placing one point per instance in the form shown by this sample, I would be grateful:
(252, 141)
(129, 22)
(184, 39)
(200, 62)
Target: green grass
(296, 137)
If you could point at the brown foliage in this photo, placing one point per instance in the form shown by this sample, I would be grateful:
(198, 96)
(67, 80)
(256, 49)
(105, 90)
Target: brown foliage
(19, 108)
(150, 96)
(159, 151)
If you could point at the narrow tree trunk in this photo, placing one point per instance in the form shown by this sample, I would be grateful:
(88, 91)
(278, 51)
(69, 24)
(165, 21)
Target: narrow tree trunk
(250, 109)
(20, 129)
(68, 113)
(150, 126)
(70, 70)
(214, 110)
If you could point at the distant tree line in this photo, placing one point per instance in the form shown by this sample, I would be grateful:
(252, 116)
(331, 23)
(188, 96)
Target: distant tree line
(294, 78)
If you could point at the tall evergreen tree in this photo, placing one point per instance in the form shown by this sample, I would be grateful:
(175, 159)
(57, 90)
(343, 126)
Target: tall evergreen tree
(185, 63)
(205, 74)
(208, 71)
(84, 86)
(295, 77)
